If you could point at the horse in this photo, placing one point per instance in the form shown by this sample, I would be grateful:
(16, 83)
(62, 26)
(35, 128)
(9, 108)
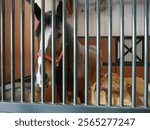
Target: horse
(59, 55)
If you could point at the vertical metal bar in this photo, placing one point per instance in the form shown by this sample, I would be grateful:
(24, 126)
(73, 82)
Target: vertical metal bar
(22, 48)
(98, 51)
(109, 52)
(32, 52)
(133, 53)
(86, 50)
(146, 54)
(12, 48)
(75, 50)
(64, 51)
(121, 53)
(42, 47)
(53, 53)
(2, 50)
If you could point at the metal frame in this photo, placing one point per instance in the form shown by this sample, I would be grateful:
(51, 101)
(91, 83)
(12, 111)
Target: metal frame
(32, 52)
(109, 53)
(98, 52)
(2, 50)
(146, 52)
(65, 108)
(53, 107)
(75, 52)
(64, 51)
(86, 50)
(12, 52)
(22, 67)
(129, 50)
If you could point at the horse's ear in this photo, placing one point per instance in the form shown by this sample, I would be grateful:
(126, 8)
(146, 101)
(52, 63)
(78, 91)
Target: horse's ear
(37, 11)
(59, 9)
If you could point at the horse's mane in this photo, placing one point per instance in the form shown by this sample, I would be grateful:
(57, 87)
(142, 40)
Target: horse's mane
(69, 33)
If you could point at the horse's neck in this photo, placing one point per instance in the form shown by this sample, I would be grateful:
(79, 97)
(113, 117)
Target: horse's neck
(69, 50)
(70, 42)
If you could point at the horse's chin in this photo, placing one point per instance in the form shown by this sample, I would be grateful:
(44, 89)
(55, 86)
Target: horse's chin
(48, 84)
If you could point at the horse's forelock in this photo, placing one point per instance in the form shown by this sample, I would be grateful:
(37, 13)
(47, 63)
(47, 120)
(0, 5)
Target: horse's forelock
(48, 23)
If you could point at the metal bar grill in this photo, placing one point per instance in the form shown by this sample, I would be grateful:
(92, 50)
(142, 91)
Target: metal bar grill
(22, 49)
(32, 52)
(86, 50)
(75, 50)
(53, 53)
(109, 52)
(64, 51)
(121, 53)
(98, 51)
(133, 53)
(86, 107)
(42, 47)
(146, 54)
(12, 50)
(2, 50)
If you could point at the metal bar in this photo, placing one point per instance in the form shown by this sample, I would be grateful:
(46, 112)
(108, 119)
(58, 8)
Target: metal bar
(67, 108)
(22, 48)
(53, 54)
(121, 53)
(86, 50)
(32, 52)
(98, 51)
(75, 50)
(133, 53)
(109, 52)
(2, 50)
(42, 44)
(64, 51)
(146, 54)
(12, 48)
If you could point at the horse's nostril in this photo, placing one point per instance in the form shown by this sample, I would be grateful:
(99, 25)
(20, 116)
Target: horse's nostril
(45, 77)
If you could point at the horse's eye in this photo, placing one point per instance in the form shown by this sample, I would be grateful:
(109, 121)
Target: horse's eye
(59, 35)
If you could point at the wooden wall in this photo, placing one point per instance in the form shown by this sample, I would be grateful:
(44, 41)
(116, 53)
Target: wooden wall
(17, 39)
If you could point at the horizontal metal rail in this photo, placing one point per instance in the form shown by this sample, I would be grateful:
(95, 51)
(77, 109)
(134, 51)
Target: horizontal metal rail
(64, 108)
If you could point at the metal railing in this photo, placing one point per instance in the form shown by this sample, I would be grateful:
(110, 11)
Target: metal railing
(15, 107)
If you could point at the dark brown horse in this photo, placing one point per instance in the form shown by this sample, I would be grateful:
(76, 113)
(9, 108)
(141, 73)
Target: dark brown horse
(69, 57)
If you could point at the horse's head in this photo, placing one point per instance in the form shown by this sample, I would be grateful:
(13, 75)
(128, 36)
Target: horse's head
(48, 42)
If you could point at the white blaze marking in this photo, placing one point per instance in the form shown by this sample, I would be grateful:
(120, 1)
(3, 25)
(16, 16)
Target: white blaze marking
(38, 74)
(48, 32)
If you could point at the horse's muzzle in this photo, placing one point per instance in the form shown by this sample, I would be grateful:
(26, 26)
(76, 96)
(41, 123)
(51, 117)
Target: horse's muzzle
(46, 80)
